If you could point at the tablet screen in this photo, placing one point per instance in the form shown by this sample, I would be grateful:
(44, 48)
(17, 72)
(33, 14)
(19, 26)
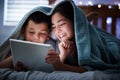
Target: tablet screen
(31, 54)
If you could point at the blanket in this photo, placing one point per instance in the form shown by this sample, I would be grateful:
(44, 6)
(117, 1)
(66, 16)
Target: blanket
(97, 49)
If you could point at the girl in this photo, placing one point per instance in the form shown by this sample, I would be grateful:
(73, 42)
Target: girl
(84, 46)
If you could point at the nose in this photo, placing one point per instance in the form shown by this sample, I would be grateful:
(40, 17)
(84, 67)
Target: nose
(36, 36)
(58, 30)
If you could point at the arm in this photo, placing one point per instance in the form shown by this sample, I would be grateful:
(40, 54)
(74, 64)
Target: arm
(7, 63)
(65, 67)
(54, 59)
(57, 60)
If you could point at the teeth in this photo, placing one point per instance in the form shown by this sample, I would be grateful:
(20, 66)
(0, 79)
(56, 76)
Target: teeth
(61, 35)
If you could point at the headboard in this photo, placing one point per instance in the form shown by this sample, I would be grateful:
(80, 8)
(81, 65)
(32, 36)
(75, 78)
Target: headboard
(103, 12)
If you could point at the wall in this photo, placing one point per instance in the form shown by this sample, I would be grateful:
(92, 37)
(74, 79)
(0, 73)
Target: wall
(4, 30)
(1, 12)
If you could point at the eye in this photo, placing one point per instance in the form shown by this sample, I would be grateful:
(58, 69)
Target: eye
(30, 32)
(43, 34)
(62, 24)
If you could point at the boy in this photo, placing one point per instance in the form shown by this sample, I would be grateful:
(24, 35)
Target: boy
(35, 29)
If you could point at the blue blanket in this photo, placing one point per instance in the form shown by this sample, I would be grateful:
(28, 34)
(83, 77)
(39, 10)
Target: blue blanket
(97, 49)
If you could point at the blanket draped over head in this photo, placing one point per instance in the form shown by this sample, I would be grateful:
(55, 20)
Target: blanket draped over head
(97, 49)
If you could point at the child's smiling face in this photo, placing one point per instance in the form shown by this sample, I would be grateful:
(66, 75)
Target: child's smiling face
(62, 27)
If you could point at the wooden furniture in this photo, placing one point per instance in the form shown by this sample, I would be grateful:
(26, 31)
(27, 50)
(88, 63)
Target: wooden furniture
(51, 2)
(102, 12)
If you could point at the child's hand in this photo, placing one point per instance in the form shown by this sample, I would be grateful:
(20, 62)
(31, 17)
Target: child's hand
(65, 47)
(52, 57)
(20, 67)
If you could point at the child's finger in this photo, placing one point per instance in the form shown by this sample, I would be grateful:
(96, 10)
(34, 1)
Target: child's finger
(20, 67)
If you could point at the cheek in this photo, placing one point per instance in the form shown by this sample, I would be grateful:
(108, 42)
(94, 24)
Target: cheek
(70, 33)
(28, 37)
(42, 40)
(55, 33)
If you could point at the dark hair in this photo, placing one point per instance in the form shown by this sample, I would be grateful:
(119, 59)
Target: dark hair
(66, 10)
(38, 17)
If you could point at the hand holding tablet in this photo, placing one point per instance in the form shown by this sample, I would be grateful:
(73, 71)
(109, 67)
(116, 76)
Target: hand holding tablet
(31, 54)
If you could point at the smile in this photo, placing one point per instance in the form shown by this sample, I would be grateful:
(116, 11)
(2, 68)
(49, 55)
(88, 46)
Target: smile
(61, 35)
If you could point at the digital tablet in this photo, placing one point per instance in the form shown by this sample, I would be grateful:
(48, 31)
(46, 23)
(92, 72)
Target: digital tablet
(31, 54)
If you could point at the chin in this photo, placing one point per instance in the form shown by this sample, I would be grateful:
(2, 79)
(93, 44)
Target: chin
(60, 39)
(64, 38)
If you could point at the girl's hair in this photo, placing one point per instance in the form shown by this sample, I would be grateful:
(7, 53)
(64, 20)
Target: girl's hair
(38, 17)
(66, 10)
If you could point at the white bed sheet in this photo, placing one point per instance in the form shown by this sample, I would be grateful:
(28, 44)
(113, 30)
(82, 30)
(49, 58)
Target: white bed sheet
(8, 74)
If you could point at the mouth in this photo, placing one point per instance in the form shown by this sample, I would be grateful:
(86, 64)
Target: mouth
(61, 36)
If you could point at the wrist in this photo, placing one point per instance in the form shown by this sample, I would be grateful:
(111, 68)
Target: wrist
(59, 66)
(62, 57)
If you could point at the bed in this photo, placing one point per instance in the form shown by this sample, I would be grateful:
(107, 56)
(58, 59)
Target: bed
(8, 74)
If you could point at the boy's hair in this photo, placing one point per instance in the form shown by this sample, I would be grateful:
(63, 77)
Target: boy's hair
(38, 17)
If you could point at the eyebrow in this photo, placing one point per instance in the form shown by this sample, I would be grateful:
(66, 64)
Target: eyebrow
(31, 28)
(60, 20)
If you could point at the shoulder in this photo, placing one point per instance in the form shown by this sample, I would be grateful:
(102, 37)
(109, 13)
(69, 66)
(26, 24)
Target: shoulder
(51, 42)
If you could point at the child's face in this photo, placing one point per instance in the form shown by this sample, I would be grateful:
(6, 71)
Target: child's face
(62, 27)
(37, 32)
